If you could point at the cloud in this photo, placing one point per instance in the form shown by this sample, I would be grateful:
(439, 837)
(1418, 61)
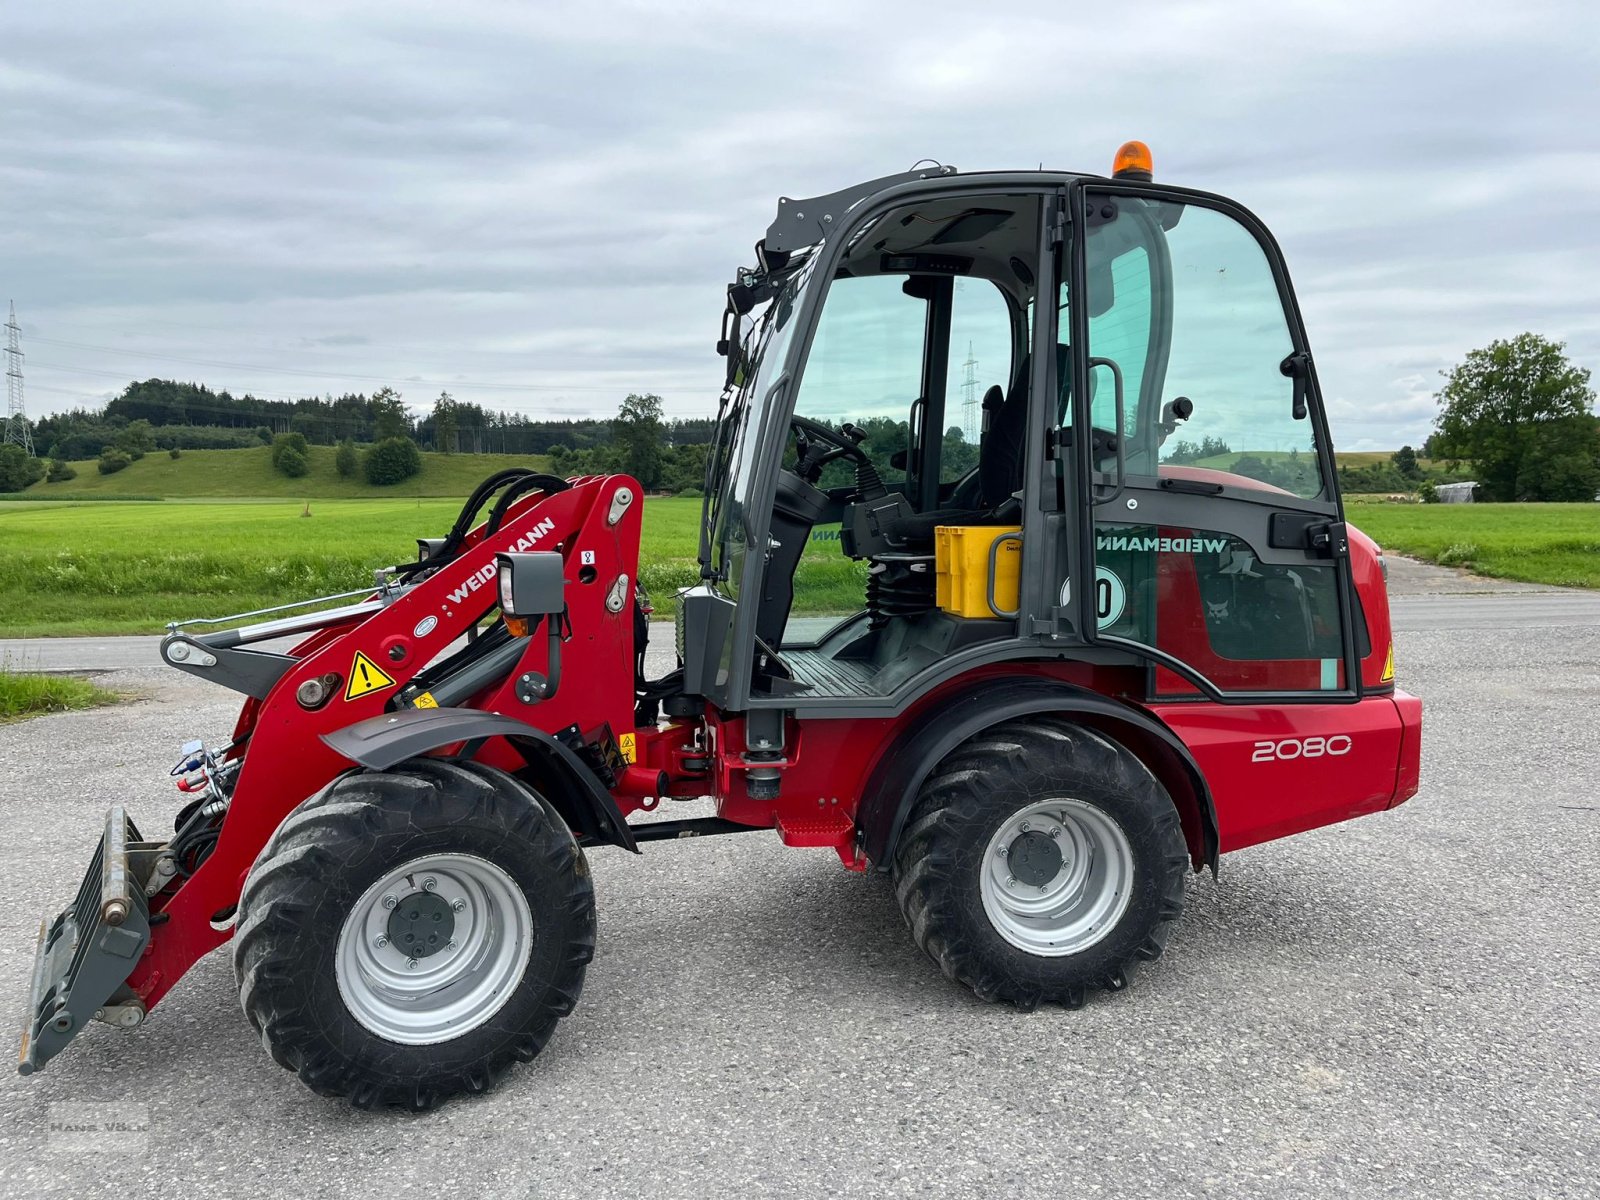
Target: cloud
(538, 206)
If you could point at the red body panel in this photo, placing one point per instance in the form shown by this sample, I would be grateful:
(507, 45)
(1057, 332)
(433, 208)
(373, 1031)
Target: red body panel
(1410, 773)
(1287, 768)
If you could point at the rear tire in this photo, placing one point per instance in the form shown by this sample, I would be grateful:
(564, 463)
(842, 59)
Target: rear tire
(1041, 861)
(473, 869)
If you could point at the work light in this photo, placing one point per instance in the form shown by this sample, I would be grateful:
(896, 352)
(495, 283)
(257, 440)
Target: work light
(531, 585)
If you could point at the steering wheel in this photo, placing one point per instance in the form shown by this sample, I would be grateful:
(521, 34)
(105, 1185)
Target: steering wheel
(845, 442)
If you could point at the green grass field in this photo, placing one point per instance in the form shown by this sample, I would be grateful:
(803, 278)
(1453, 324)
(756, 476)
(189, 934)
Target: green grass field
(103, 567)
(240, 473)
(90, 568)
(1535, 543)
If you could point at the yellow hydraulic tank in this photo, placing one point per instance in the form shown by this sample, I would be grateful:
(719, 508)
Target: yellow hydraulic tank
(964, 556)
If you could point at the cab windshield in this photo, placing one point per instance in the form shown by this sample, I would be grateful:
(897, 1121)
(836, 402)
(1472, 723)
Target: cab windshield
(726, 514)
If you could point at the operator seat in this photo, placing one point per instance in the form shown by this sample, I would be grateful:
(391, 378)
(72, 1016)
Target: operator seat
(1000, 475)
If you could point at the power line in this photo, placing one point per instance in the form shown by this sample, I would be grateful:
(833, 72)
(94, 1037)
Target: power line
(18, 432)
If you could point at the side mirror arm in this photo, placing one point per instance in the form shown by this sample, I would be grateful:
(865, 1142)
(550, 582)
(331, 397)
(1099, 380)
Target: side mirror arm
(1297, 366)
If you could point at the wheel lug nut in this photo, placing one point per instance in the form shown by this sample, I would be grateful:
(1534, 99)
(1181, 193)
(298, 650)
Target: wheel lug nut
(450, 945)
(1055, 832)
(1003, 851)
(458, 905)
(380, 941)
(1026, 826)
(429, 884)
(390, 901)
(1011, 881)
(411, 964)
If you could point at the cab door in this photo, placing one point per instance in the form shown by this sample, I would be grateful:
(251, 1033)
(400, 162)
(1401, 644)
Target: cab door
(1212, 535)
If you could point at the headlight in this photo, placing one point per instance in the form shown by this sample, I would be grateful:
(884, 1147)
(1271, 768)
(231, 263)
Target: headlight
(508, 595)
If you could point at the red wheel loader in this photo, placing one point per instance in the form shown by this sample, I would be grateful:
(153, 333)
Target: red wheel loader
(1050, 444)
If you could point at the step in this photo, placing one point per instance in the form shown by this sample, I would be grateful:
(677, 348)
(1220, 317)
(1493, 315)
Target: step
(826, 829)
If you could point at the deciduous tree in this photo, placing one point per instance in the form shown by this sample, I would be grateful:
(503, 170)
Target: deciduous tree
(389, 416)
(638, 431)
(1520, 412)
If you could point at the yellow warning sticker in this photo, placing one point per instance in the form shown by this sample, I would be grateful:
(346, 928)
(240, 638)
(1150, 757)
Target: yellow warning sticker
(366, 677)
(425, 700)
(629, 744)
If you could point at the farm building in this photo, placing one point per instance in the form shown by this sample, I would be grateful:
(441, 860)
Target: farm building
(1455, 493)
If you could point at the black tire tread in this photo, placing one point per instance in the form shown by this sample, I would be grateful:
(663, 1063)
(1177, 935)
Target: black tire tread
(353, 812)
(1018, 757)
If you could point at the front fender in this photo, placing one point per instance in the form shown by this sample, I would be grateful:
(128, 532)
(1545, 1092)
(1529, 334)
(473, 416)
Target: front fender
(380, 742)
(893, 786)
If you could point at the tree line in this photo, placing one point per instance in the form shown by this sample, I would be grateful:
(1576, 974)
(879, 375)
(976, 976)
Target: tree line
(192, 416)
(1517, 410)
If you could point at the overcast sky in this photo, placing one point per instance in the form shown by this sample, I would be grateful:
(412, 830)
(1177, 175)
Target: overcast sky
(537, 206)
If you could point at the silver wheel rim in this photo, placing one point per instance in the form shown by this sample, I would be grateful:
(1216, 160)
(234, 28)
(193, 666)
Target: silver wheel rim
(1069, 909)
(419, 997)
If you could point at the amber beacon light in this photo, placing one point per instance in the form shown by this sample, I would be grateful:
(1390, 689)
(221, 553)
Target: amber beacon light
(1133, 161)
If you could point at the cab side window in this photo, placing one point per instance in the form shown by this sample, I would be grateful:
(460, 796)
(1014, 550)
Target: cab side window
(1183, 301)
(981, 358)
(1229, 341)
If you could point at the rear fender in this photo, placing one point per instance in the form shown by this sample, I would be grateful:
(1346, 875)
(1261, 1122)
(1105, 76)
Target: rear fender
(906, 764)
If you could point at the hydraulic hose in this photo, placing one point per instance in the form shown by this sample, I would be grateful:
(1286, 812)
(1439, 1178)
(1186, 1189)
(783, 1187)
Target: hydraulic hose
(463, 523)
(549, 484)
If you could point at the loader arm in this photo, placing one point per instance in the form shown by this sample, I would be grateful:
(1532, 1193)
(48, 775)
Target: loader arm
(366, 665)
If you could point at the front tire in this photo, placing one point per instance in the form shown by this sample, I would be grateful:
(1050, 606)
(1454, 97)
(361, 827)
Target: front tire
(1041, 861)
(407, 935)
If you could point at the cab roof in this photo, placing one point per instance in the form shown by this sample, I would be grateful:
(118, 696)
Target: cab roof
(805, 222)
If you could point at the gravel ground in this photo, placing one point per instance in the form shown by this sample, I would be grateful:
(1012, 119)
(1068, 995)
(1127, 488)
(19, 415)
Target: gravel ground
(1404, 1005)
(1413, 577)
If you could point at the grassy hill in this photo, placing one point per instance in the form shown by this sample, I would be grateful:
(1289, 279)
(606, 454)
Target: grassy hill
(1345, 458)
(229, 473)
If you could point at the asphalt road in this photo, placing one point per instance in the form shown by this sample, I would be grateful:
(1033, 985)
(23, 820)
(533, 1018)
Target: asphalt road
(1405, 1005)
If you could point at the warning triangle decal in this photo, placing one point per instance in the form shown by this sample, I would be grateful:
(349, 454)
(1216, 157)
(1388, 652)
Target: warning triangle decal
(365, 676)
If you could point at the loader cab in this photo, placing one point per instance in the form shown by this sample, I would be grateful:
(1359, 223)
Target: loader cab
(1096, 393)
